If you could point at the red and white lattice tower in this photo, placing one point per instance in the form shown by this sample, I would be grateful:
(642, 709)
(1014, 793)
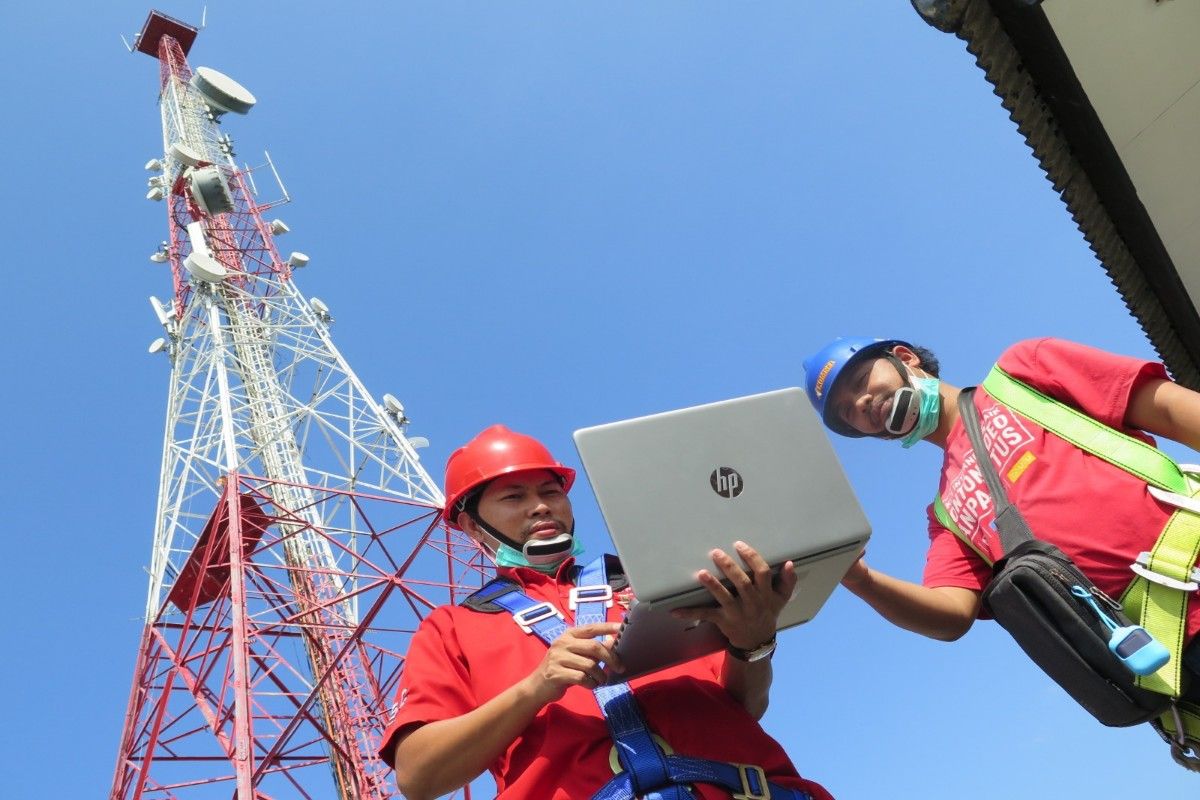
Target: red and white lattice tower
(296, 542)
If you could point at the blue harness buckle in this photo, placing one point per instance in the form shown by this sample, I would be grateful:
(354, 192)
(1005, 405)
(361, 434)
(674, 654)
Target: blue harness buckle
(590, 594)
(531, 616)
(754, 783)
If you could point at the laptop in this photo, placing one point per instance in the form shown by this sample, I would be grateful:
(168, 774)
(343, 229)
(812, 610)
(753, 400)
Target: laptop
(673, 486)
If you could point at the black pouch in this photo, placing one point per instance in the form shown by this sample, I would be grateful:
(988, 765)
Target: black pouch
(1030, 596)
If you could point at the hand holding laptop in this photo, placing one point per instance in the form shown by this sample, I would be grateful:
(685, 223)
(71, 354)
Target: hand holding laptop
(747, 616)
(581, 656)
(760, 463)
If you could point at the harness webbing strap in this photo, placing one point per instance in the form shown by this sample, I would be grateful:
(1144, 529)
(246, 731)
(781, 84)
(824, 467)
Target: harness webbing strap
(1125, 452)
(1160, 609)
(741, 781)
(943, 516)
(481, 599)
(637, 751)
(642, 758)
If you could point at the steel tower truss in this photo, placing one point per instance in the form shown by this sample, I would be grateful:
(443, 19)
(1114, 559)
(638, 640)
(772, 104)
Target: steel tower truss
(296, 543)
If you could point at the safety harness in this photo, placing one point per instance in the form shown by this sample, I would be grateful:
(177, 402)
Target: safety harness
(644, 765)
(1165, 576)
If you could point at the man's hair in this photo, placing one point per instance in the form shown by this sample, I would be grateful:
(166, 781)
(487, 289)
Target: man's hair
(929, 362)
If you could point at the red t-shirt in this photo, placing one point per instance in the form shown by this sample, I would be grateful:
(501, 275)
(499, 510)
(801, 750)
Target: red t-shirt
(1098, 514)
(459, 659)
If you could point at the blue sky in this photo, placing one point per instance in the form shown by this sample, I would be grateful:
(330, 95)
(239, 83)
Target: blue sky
(549, 215)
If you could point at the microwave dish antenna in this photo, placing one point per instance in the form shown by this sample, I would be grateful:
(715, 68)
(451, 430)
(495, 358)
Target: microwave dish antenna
(221, 92)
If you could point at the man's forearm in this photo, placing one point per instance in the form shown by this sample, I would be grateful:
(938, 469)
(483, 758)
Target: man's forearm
(943, 612)
(442, 756)
(1166, 409)
(749, 683)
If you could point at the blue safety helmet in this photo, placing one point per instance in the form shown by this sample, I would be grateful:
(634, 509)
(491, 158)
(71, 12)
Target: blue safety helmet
(823, 368)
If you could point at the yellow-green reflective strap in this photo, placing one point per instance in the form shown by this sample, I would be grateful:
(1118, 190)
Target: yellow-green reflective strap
(1132, 455)
(943, 516)
(1161, 610)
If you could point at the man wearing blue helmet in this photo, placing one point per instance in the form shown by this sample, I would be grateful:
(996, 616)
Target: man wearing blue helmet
(1105, 518)
(910, 413)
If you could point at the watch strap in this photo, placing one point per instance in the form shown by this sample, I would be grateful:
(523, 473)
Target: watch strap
(764, 650)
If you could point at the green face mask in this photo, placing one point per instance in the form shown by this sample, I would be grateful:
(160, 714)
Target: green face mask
(509, 556)
(928, 412)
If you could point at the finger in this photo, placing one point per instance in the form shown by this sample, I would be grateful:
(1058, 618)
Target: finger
(582, 670)
(611, 659)
(591, 649)
(569, 676)
(785, 582)
(716, 589)
(731, 569)
(593, 630)
(590, 681)
(600, 652)
(752, 558)
(756, 564)
(857, 574)
(595, 676)
(749, 597)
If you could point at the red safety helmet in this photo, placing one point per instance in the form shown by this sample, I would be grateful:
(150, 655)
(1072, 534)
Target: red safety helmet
(494, 452)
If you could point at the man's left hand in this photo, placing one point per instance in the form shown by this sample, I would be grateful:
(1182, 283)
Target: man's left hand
(748, 614)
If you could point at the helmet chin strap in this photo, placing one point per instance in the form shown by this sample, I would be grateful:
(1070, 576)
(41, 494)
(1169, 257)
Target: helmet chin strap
(906, 404)
(536, 551)
(549, 551)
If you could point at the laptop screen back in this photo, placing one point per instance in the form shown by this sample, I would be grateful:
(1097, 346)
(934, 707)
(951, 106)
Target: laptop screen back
(761, 469)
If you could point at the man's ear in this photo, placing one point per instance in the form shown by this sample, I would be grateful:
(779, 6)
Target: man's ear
(469, 527)
(907, 357)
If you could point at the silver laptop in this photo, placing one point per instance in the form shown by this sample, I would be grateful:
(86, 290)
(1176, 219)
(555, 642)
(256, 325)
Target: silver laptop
(673, 486)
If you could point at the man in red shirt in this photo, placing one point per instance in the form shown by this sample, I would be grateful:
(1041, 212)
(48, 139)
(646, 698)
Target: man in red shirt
(890, 389)
(480, 692)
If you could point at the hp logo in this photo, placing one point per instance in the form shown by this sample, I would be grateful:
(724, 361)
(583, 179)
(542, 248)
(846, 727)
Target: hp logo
(726, 482)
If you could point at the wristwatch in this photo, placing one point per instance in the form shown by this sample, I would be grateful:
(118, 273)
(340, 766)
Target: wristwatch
(758, 653)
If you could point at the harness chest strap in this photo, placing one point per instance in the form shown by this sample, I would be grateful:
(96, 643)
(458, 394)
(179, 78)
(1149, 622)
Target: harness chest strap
(650, 769)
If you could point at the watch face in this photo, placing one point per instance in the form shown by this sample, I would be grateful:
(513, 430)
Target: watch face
(761, 653)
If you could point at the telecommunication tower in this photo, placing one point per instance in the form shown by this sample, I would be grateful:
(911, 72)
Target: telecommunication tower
(296, 540)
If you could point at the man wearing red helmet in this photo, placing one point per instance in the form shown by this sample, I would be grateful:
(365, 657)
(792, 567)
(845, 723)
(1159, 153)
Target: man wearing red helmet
(502, 683)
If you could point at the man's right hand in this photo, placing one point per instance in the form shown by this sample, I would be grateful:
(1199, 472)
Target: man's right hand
(574, 659)
(438, 757)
